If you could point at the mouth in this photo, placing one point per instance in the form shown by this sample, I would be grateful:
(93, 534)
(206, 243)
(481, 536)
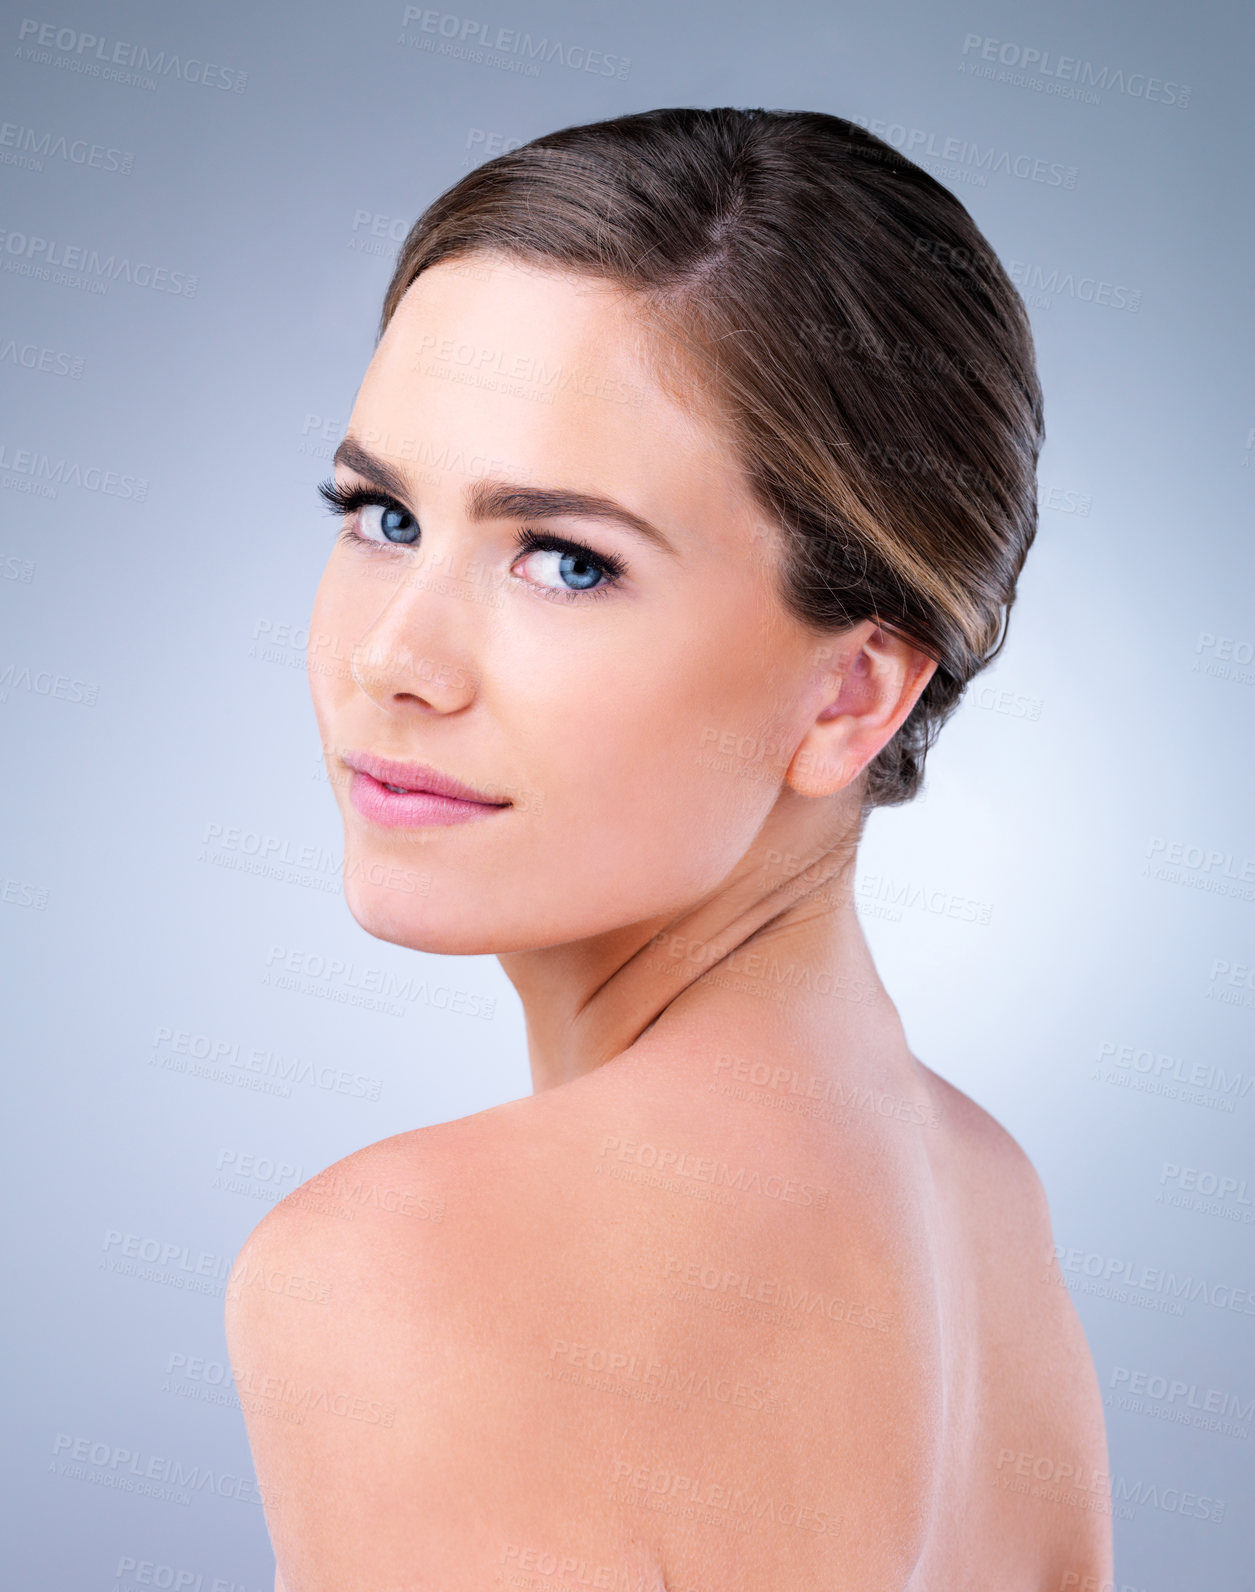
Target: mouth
(412, 795)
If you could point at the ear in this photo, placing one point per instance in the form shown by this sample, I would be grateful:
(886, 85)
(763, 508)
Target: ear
(871, 683)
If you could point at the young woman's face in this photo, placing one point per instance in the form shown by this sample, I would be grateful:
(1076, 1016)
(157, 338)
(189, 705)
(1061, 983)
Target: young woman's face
(630, 700)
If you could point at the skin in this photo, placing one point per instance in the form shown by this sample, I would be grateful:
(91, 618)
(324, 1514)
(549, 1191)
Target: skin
(670, 894)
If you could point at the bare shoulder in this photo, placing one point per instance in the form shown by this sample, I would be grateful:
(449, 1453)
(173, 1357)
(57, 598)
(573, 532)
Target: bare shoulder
(1041, 1404)
(350, 1237)
(993, 1164)
(351, 1330)
(439, 1205)
(1003, 1211)
(598, 1287)
(613, 1283)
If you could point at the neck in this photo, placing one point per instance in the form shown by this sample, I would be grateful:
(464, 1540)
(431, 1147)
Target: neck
(587, 1001)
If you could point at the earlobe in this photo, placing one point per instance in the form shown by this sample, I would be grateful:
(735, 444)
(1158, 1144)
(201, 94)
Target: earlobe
(822, 764)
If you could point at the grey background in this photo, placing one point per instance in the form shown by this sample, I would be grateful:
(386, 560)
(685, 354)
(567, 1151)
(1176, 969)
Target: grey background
(152, 701)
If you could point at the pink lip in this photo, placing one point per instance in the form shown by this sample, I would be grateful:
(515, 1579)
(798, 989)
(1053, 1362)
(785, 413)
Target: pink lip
(429, 797)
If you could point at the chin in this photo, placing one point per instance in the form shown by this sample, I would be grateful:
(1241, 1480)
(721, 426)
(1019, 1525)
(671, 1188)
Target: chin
(410, 920)
(462, 926)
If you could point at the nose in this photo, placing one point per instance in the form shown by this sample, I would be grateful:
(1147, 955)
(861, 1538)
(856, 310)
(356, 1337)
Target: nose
(412, 656)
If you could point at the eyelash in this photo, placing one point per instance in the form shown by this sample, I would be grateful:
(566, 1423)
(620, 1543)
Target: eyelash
(343, 501)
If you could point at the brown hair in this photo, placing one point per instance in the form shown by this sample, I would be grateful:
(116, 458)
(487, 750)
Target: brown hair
(854, 328)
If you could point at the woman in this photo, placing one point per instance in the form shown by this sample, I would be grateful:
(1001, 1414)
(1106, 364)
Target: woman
(686, 490)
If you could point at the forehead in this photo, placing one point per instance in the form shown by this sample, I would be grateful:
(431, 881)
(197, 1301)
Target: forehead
(543, 375)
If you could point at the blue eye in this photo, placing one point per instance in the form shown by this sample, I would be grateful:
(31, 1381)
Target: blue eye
(395, 523)
(576, 571)
(567, 568)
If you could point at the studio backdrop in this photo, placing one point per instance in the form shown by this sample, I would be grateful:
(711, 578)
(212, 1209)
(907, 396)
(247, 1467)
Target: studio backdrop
(202, 206)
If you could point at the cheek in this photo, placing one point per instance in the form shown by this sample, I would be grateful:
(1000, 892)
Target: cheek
(339, 617)
(663, 763)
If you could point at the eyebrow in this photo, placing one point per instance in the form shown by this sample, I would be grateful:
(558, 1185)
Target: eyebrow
(506, 500)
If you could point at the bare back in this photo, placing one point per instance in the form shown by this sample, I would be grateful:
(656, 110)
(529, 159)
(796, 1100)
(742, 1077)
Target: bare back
(722, 1327)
